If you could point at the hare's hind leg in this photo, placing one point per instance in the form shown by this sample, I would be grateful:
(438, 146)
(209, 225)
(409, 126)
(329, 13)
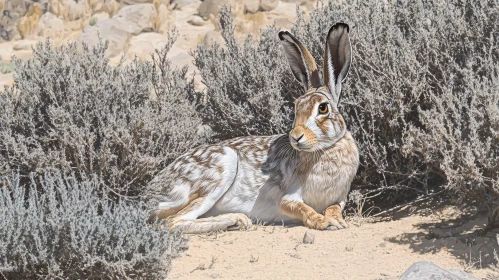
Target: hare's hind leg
(187, 218)
(210, 184)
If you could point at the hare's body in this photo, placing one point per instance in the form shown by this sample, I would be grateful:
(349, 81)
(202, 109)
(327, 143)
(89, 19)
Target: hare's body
(301, 177)
(231, 183)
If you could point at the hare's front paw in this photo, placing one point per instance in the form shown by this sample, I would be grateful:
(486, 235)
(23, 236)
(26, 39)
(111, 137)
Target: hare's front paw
(316, 221)
(336, 223)
(241, 222)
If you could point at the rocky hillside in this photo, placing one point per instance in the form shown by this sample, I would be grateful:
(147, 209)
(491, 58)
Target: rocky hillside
(133, 27)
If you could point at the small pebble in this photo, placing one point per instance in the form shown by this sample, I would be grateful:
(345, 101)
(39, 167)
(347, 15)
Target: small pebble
(309, 237)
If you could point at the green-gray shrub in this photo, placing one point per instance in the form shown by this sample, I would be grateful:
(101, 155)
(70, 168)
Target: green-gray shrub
(6, 67)
(244, 84)
(61, 228)
(70, 110)
(421, 99)
(93, 21)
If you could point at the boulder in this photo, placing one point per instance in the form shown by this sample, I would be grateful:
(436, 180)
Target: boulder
(212, 7)
(183, 3)
(301, 2)
(143, 45)
(164, 20)
(428, 270)
(9, 23)
(197, 21)
(251, 6)
(136, 18)
(24, 45)
(108, 29)
(133, 2)
(100, 16)
(70, 10)
(107, 6)
(268, 5)
(50, 26)
(29, 21)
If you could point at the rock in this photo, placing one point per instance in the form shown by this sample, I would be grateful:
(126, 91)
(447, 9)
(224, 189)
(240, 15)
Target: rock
(29, 21)
(164, 20)
(309, 237)
(136, 18)
(100, 16)
(301, 2)
(197, 21)
(108, 6)
(143, 45)
(428, 270)
(58, 8)
(50, 26)
(79, 10)
(307, 3)
(183, 3)
(9, 30)
(108, 29)
(212, 7)
(251, 6)
(24, 45)
(283, 22)
(133, 2)
(268, 5)
(212, 37)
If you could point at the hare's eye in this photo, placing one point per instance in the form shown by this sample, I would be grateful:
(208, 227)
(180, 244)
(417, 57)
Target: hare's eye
(323, 108)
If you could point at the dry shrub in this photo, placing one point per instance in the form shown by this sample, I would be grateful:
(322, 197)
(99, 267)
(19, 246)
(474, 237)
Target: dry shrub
(104, 132)
(421, 99)
(62, 228)
(71, 111)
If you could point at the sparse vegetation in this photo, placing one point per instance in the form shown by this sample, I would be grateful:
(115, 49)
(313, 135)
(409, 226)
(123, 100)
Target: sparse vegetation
(71, 111)
(60, 227)
(358, 214)
(6, 67)
(92, 21)
(105, 131)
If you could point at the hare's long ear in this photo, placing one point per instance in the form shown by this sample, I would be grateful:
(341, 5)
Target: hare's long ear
(301, 61)
(337, 59)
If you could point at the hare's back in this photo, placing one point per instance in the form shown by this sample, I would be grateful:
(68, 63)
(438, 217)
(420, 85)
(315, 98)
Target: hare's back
(205, 167)
(251, 149)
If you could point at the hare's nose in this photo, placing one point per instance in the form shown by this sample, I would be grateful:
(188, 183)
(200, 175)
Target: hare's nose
(298, 138)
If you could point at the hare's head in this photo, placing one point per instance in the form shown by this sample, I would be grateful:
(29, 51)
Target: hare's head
(318, 124)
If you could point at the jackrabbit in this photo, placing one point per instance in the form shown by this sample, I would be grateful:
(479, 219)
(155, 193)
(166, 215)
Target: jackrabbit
(301, 177)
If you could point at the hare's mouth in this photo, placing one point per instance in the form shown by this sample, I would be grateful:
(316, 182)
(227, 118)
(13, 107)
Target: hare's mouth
(302, 146)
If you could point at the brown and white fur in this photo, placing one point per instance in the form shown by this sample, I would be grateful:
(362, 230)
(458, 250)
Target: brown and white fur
(301, 177)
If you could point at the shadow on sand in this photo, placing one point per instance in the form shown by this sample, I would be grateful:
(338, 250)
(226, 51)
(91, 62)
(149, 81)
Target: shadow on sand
(457, 230)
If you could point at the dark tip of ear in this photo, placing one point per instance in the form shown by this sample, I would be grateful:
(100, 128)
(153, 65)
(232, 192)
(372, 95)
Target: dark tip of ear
(340, 25)
(282, 33)
(286, 33)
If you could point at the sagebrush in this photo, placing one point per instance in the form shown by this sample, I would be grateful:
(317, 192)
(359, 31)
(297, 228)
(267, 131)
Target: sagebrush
(106, 130)
(421, 99)
(63, 228)
(70, 110)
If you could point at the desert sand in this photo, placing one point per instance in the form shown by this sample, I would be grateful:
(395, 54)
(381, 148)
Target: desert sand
(374, 250)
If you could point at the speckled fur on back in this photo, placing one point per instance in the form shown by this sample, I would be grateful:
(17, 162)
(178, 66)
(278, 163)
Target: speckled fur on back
(300, 177)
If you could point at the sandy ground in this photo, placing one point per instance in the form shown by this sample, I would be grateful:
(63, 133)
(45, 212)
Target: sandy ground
(376, 250)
